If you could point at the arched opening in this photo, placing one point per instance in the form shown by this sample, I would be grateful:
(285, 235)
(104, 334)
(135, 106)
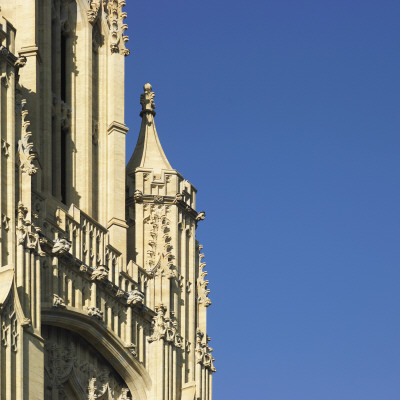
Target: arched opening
(107, 346)
(74, 369)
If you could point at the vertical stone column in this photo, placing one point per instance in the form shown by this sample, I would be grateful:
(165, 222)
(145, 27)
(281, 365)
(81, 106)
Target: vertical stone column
(116, 187)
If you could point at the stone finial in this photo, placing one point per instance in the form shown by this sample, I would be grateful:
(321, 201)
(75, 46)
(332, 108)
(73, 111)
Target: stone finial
(147, 100)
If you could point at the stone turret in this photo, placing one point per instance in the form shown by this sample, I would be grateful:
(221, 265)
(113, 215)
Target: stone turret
(162, 219)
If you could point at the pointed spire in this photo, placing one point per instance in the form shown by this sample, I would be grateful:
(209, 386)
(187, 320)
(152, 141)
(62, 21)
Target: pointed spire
(148, 151)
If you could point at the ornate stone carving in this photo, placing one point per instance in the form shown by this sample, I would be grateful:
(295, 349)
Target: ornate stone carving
(202, 284)
(5, 147)
(131, 348)
(138, 196)
(5, 222)
(203, 351)
(65, 116)
(100, 273)
(116, 26)
(158, 325)
(95, 312)
(135, 297)
(165, 328)
(68, 358)
(25, 147)
(159, 256)
(200, 216)
(27, 233)
(147, 100)
(21, 62)
(58, 302)
(158, 199)
(61, 246)
(10, 329)
(178, 198)
(93, 11)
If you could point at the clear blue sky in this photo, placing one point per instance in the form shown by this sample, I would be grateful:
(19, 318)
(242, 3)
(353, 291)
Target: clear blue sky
(285, 116)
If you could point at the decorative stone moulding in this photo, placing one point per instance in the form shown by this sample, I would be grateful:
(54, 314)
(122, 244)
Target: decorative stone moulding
(117, 27)
(201, 282)
(203, 351)
(165, 328)
(25, 147)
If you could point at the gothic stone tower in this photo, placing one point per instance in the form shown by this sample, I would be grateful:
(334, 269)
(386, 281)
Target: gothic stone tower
(102, 285)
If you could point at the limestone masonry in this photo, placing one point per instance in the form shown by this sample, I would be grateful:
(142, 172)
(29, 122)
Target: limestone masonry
(103, 293)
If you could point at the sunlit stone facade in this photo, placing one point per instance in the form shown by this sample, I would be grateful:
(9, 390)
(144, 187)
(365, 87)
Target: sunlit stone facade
(103, 292)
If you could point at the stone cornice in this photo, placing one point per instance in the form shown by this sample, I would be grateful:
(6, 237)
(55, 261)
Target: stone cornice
(117, 126)
(118, 222)
(30, 51)
(167, 200)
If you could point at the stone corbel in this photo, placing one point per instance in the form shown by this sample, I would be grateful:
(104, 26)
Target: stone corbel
(93, 11)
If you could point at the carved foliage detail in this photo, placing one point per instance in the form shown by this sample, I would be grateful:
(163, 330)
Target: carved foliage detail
(159, 256)
(202, 283)
(25, 147)
(117, 26)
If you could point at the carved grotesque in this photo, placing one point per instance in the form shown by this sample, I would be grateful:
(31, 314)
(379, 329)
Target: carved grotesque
(100, 273)
(138, 195)
(61, 246)
(201, 216)
(135, 297)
